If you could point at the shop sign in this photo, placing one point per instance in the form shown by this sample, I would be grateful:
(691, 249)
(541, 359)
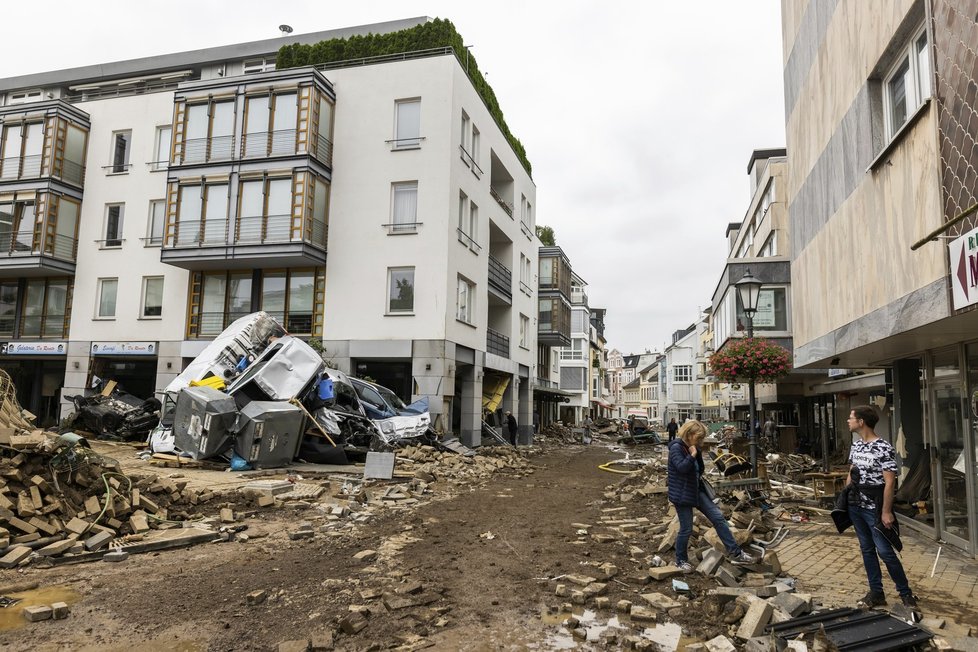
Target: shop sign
(33, 348)
(123, 348)
(963, 253)
(736, 395)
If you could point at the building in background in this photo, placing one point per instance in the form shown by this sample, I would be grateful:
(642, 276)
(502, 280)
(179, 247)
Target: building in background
(145, 204)
(881, 193)
(553, 333)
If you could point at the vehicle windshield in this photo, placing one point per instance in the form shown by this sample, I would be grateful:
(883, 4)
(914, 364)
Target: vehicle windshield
(391, 398)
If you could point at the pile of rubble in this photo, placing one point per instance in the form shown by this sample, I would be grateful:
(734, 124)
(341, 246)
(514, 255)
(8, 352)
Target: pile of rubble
(59, 499)
(558, 432)
(430, 464)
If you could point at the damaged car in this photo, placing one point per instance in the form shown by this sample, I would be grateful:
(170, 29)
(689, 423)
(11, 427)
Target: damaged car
(117, 415)
(396, 421)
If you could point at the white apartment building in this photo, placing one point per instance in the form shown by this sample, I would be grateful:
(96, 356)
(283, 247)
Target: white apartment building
(575, 359)
(376, 207)
(680, 394)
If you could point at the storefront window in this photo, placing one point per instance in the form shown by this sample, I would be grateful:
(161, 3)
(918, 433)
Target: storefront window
(772, 311)
(949, 436)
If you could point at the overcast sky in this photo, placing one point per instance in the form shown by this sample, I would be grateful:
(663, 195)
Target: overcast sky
(638, 117)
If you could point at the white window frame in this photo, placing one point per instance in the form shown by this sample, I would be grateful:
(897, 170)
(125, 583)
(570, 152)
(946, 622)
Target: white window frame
(23, 97)
(120, 168)
(465, 301)
(524, 331)
(161, 157)
(397, 225)
(143, 294)
(105, 227)
(390, 278)
(682, 373)
(153, 240)
(468, 222)
(255, 66)
(466, 127)
(919, 88)
(410, 142)
(99, 290)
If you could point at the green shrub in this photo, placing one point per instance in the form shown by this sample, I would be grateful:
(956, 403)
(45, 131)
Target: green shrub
(435, 34)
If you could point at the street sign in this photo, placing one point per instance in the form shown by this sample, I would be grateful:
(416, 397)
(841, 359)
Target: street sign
(963, 254)
(737, 396)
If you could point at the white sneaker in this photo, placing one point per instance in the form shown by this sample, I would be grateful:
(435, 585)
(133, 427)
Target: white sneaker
(685, 567)
(742, 559)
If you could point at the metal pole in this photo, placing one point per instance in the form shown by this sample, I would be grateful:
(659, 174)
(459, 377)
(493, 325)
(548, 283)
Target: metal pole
(750, 410)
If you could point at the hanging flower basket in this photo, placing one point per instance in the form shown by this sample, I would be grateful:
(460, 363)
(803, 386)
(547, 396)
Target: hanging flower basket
(754, 359)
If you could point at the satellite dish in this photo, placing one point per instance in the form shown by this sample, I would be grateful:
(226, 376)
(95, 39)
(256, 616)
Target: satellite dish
(285, 29)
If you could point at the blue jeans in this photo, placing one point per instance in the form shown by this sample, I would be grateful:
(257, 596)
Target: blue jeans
(871, 544)
(713, 513)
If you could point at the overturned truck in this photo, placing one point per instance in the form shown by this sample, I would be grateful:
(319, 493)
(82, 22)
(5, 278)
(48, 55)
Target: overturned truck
(261, 398)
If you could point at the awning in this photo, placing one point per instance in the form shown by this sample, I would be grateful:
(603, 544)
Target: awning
(602, 403)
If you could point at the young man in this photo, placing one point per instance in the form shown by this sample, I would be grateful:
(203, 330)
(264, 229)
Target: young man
(872, 475)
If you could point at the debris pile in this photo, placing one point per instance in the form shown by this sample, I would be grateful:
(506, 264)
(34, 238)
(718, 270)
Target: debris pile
(558, 432)
(114, 414)
(430, 464)
(58, 498)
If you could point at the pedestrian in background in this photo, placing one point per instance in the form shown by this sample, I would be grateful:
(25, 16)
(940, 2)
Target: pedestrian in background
(588, 422)
(872, 477)
(686, 492)
(512, 426)
(672, 428)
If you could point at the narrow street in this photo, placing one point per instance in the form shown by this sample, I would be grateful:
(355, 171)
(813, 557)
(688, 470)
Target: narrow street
(476, 568)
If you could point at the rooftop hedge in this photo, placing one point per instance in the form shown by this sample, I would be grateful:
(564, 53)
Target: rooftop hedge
(434, 34)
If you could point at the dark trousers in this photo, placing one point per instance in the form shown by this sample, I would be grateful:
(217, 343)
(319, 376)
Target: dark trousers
(874, 547)
(513, 436)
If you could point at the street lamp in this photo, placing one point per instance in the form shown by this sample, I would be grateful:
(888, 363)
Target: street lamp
(749, 289)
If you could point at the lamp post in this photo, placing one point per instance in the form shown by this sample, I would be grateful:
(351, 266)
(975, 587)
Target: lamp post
(749, 289)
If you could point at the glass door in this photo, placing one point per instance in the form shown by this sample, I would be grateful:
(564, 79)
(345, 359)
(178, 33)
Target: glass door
(954, 460)
(971, 414)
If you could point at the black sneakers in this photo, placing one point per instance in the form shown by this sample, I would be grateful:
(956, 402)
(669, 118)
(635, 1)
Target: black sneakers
(873, 599)
(909, 601)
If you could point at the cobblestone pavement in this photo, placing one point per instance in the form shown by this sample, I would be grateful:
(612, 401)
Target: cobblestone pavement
(830, 566)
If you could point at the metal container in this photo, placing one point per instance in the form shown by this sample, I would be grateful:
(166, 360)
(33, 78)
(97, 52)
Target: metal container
(269, 433)
(203, 421)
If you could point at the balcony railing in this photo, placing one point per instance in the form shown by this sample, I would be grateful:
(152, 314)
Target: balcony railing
(497, 343)
(256, 229)
(73, 173)
(578, 298)
(22, 244)
(209, 324)
(324, 151)
(206, 150)
(20, 167)
(507, 207)
(500, 277)
(50, 325)
(261, 144)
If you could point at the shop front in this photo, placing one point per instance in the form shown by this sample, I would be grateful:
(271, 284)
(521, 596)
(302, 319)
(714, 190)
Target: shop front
(37, 370)
(132, 365)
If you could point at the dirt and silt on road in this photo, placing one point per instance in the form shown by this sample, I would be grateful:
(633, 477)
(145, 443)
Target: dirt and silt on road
(473, 566)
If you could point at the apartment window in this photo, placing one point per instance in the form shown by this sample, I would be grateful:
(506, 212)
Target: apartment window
(407, 124)
(45, 309)
(770, 246)
(907, 84)
(23, 97)
(209, 132)
(22, 147)
(400, 290)
(682, 373)
(112, 233)
(526, 277)
(121, 146)
(254, 66)
(465, 309)
(265, 210)
(772, 311)
(161, 148)
(475, 144)
(270, 124)
(288, 295)
(105, 301)
(524, 331)
(464, 137)
(526, 216)
(404, 207)
(154, 226)
(468, 222)
(152, 303)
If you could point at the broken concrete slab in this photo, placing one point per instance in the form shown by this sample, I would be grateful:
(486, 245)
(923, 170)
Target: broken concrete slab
(365, 555)
(59, 610)
(711, 561)
(665, 572)
(719, 644)
(755, 620)
(660, 601)
(99, 540)
(795, 604)
(579, 580)
(642, 614)
(15, 556)
(38, 613)
(353, 623)
(116, 556)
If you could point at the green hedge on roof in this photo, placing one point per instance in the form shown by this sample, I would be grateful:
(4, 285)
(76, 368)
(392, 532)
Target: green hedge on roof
(435, 34)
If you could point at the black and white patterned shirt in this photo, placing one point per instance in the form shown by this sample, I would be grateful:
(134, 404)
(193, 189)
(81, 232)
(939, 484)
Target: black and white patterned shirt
(871, 459)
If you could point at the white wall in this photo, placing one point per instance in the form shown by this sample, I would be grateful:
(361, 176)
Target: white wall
(133, 260)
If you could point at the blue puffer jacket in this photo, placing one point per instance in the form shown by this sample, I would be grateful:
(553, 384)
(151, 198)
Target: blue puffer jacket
(685, 470)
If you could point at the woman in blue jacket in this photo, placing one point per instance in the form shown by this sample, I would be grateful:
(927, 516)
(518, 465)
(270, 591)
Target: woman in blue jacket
(685, 492)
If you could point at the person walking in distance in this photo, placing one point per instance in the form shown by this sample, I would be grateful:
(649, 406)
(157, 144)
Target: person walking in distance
(512, 426)
(872, 484)
(588, 423)
(672, 428)
(685, 491)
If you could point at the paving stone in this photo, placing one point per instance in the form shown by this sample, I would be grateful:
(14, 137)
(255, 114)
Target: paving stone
(660, 601)
(642, 614)
(578, 597)
(410, 588)
(719, 644)
(771, 559)
(726, 578)
(760, 644)
(366, 555)
(321, 642)
(595, 588)
(294, 646)
(302, 534)
(98, 540)
(711, 560)
(579, 580)
(266, 500)
(664, 572)
(353, 623)
(38, 613)
(15, 556)
(794, 604)
(602, 602)
(623, 606)
(256, 597)
(562, 591)
(269, 487)
(115, 556)
(59, 610)
(755, 620)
